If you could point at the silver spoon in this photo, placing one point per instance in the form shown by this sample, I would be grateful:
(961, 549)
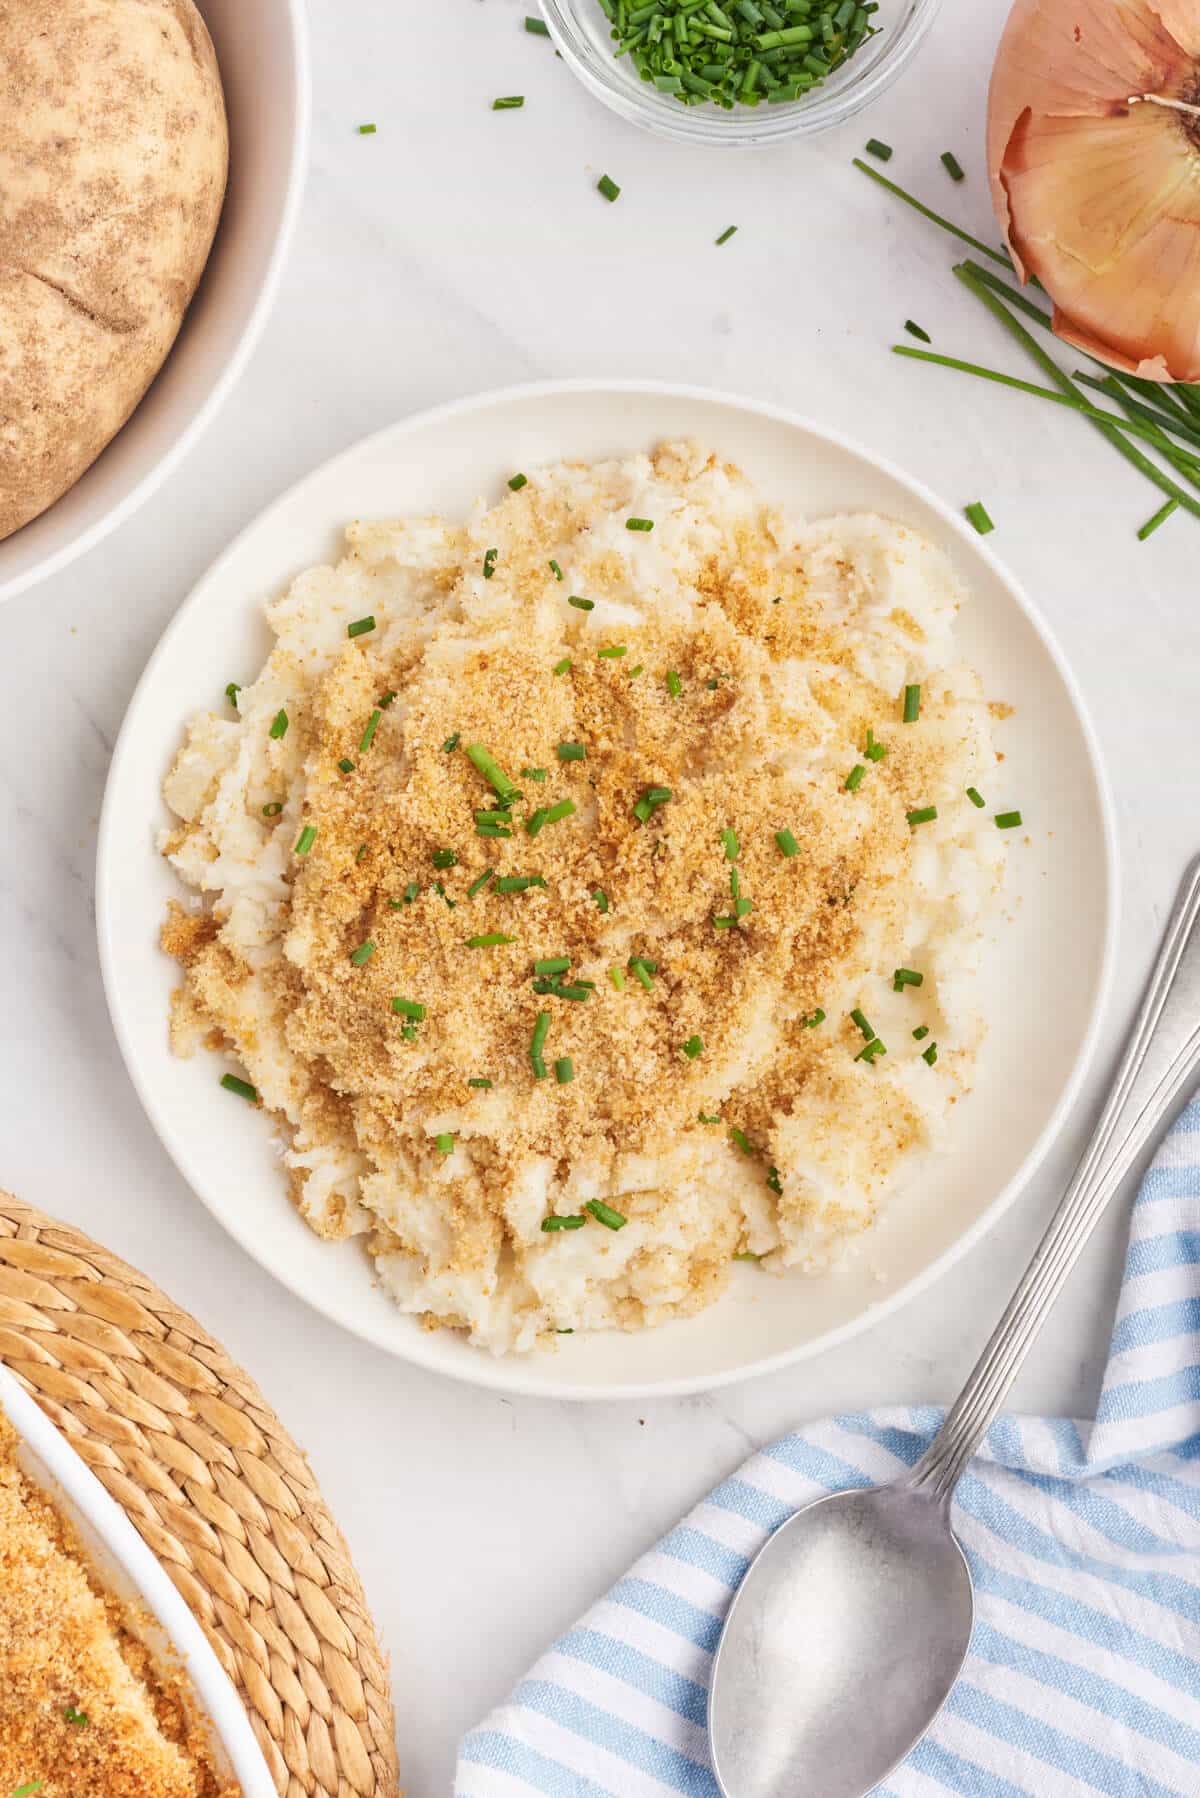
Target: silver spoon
(853, 1622)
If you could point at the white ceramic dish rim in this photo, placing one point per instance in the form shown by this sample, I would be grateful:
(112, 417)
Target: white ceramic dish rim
(506, 1375)
(82, 1490)
(154, 477)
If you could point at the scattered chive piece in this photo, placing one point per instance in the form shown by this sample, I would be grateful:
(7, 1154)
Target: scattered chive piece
(1147, 530)
(483, 1085)
(977, 512)
(231, 693)
(518, 883)
(489, 564)
(562, 667)
(517, 481)
(553, 964)
(27, 1790)
(273, 809)
(641, 972)
(674, 684)
(694, 1046)
(726, 235)
(872, 1051)
(439, 888)
(639, 524)
(774, 1182)
(906, 977)
(976, 797)
(611, 651)
(747, 1256)
(564, 1223)
(555, 570)
(508, 103)
(408, 1008)
(925, 814)
(930, 1054)
(279, 724)
(444, 858)
(363, 954)
(874, 751)
(346, 765)
(854, 779)
(705, 1119)
(742, 907)
(1008, 820)
(564, 1070)
(581, 605)
(912, 703)
(492, 772)
(787, 843)
(492, 939)
(635, 671)
(549, 815)
(242, 1088)
(604, 1214)
(572, 752)
(71, 1715)
(386, 700)
(367, 130)
(368, 735)
(914, 330)
(537, 1043)
(730, 844)
(920, 1033)
(726, 923)
(601, 898)
(877, 148)
(361, 626)
(539, 28)
(608, 188)
(360, 852)
(952, 166)
(650, 801)
(741, 1141)
(407, 896)
(305, 840)
(538, 774)
(813, 1019)
(858, 1018)
(444, 1144)
(617, 978)
(453, 742)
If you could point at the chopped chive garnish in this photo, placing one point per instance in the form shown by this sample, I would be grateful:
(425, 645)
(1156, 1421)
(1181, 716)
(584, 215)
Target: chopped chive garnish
(491, 830)
(360, 852)
(854, 779)
(872, 1051)
(924, 814)
(29, 1788)
(305, 840)
(385, 700)
(920, 1033)
(875, 147)
(563, 667)
(367, 130)
(408, 1008)
(1147, 530)
(601, 898)
(774, 1182)
(346, 765)
(444, 858)
(539, 28)
(639, 524)
(612, 650)
(952, 165)
(641, 972)
(977, 513)
(635, 671)
(452, 743)
(618, 979)
(725, 923)
(518, 883)
(279, 724)
(976, 797)
(674, 684)
(489, 564)
(906, 977)
(548, 814)
(874, 751)
(363, 954)
(517, 481)
(572, 752)
(915, 330)
(787, 843)
(694, 1046)
(444, 1144)
(555, 570)
(242, 1088)
(231, 693)
(407, 896)
(604, 1214)
(368, 736)
(273, 809)
(409, 1033)
(71, 1715)
(564, 1223)
(650, 801)
(581, 605)
(492, 772)
(726, 234)
(439, 888)
(538, 774)
(481, 1084)
(1008, 820)
(564, 1070)
(361, 626)
(730, 844)
(859, 1018)
(537, 1044)
(813, 1019)
(553, 964)
(741, 1141)
(742, 907)
(608, 188)
(912, 704)
(508, 103)
(930, 1054)
(492, 939)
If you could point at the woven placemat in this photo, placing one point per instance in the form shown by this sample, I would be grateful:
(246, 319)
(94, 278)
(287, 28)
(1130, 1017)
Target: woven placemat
(185, 1442)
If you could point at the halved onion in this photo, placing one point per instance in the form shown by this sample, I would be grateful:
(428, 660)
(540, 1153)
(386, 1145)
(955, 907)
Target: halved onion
(1094, 155)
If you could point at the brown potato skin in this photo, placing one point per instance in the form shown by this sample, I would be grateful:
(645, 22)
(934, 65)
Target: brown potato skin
(114, 151)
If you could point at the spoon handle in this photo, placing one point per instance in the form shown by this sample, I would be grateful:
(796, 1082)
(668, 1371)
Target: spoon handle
(1162, 1053)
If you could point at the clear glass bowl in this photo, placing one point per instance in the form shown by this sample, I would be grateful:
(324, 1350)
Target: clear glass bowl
(582, 32)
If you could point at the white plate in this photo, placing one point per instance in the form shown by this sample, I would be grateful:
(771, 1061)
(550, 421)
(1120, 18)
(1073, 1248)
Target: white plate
(1057, 946)
(128, 1569)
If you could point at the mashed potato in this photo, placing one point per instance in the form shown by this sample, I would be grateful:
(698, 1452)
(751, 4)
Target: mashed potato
(670, 762)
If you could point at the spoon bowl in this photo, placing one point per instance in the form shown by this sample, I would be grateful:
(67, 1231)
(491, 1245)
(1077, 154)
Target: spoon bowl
(861, 1602)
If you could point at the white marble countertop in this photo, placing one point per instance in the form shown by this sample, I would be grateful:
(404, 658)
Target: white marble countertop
(457, 250)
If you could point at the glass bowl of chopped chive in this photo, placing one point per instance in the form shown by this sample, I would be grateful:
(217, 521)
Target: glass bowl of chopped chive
(737, 71)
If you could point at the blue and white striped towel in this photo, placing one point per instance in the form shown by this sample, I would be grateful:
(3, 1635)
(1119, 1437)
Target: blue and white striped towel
(1084, 1544)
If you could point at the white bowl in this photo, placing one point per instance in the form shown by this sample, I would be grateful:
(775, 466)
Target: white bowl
(127, 1568)
(1047, 969)
(262, 47)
